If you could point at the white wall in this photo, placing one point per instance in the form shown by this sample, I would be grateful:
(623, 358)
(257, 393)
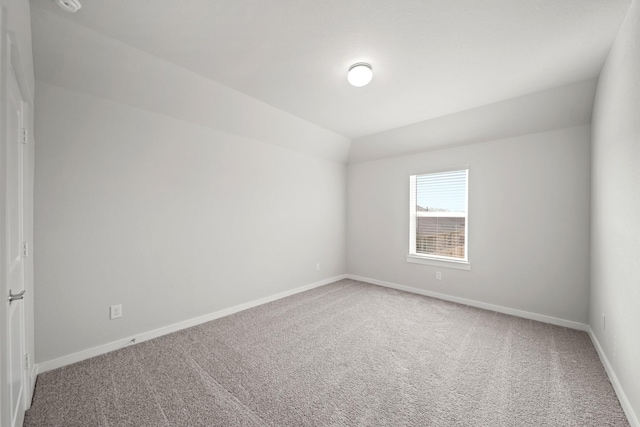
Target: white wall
(76, 57)
(171, 219)
(615, 248)
(528, 224)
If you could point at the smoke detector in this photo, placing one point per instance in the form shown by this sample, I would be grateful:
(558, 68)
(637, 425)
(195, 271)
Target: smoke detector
(71, 6)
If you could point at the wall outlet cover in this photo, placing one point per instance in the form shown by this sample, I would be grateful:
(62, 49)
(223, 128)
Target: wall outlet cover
(115, 311)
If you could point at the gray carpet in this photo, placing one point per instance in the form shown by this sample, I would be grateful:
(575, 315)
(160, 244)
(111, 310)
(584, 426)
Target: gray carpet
(345, 354)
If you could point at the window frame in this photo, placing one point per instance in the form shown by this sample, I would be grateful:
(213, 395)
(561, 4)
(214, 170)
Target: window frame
(436, 260)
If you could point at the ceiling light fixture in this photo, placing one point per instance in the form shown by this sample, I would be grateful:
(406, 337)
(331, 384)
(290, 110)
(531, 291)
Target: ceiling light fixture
(71, 6)
(360, 74)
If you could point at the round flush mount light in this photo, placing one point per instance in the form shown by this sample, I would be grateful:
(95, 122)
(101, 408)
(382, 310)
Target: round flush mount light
(360, 74)
(71, 6)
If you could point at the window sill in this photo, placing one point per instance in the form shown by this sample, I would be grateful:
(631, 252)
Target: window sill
(458, 265)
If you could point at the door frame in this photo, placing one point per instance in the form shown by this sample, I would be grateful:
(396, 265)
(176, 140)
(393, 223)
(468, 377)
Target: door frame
(10, 62)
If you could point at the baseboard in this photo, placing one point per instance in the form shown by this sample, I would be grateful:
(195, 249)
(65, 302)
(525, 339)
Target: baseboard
(105, 348)
(497, 308)
(138, 338)
(622, 397)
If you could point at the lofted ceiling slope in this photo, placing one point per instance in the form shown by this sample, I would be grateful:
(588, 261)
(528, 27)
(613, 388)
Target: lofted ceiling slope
(431, 58)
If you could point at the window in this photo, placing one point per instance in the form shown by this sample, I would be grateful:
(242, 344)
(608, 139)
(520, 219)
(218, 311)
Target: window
(438, 219)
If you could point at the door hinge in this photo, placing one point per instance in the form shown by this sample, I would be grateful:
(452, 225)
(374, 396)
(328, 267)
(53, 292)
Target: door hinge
(23, 135)
(25, 249)
(27, 362)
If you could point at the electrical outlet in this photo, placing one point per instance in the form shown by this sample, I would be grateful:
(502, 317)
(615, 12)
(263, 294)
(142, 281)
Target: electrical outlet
(318, 266)
(115, 311)
(438, 275)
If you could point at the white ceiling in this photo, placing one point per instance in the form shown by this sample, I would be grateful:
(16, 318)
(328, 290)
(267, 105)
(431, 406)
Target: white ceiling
(552, 109)
(430, 58)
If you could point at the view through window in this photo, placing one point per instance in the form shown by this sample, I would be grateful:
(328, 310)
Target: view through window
(439, 215)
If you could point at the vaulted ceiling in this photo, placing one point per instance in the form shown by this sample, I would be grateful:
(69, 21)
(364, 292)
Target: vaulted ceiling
(431, 58)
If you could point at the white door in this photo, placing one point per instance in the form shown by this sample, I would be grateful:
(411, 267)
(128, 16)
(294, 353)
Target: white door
(14, 377)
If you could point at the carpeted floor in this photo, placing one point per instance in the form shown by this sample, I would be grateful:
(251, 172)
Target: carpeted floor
(345, 354)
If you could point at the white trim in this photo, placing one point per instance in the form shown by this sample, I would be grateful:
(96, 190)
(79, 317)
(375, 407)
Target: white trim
(497, 308)
(412, 213)
(96, 351)
(114, 345)
(622, 397)
(19, 69)
(436, 260)
(452, 168)
(444, 263)
(32, 383)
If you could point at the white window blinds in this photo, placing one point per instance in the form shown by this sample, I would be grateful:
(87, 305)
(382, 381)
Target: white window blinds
(438, 208)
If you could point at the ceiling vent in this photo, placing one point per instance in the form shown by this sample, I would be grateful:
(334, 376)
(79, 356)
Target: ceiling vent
(71, 6)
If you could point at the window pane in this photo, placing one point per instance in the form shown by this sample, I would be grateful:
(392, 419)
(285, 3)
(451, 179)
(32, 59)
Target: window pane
(441, 236)
(445, 192)
(439, 214)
